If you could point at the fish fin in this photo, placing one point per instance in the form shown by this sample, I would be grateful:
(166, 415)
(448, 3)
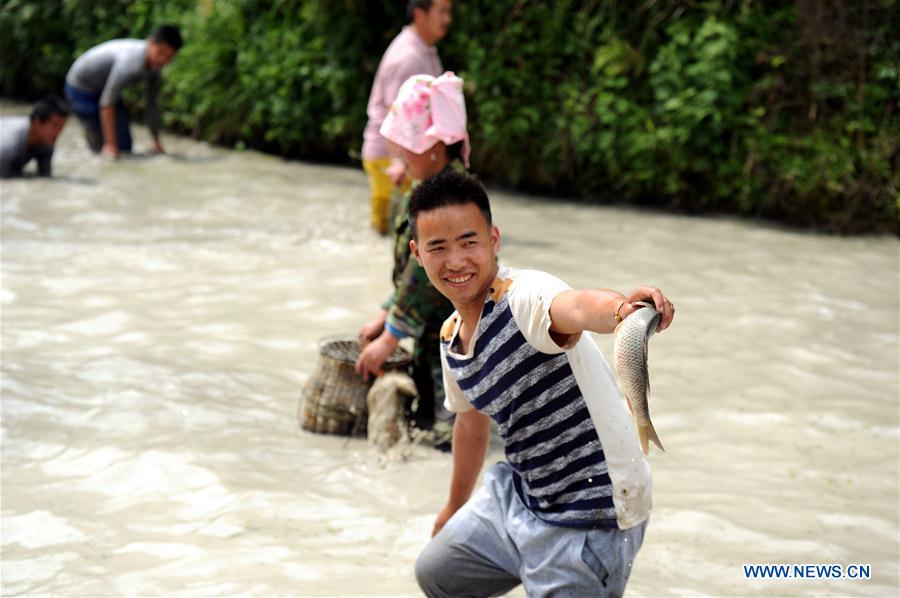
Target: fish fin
(648, 431)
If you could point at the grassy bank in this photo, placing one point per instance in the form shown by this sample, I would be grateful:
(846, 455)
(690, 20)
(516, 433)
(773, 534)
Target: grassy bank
(780, 110)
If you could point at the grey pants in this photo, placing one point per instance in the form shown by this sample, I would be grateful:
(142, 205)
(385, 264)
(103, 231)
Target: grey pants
(494, 543)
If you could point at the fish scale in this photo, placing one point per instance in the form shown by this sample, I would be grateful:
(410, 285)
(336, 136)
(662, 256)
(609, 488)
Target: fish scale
(630, 348)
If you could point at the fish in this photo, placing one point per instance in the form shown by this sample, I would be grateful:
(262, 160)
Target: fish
(630, 350)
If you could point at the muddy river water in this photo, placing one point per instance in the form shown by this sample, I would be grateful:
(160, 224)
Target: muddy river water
(160, 315)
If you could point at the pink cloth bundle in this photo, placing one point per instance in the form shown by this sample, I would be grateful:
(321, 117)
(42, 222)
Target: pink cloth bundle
(427, 110)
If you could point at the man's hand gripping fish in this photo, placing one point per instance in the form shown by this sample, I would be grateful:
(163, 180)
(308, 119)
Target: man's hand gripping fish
(632, 336)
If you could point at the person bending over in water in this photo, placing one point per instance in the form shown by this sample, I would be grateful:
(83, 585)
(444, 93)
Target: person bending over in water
(23, 138)
(565, 514)
(427, 123)
(95, 81)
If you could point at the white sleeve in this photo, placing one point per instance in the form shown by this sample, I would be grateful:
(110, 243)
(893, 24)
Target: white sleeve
(454, 399)
(530, 296)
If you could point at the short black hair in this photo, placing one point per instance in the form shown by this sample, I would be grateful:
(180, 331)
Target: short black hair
(413, 4)
(168, 34)
(49, 105)
(448, 189)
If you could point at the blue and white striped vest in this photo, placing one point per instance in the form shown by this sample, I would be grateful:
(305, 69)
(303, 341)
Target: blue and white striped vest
(551, 441)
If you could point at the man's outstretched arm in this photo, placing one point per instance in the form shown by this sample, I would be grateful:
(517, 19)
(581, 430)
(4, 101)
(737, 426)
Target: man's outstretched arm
(595, 310)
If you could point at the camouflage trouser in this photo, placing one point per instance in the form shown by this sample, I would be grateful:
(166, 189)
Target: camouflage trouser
(429, 384)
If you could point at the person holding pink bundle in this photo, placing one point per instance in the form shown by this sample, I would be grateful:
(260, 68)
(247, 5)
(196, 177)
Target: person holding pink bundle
(411, 53)
(427, 127)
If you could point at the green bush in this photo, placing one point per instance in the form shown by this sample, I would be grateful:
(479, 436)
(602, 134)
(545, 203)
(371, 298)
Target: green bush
(780, 110)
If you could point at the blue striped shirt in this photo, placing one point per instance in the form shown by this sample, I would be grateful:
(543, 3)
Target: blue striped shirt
(551, 442)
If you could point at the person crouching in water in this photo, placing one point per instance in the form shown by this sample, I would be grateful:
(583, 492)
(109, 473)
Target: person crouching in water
(95, 81)
(24, 138)
(427, 123)
(565, 514)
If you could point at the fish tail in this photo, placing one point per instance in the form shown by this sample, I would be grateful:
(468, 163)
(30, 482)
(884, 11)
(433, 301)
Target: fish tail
(646, 434)
(653, 436)
(642, 434)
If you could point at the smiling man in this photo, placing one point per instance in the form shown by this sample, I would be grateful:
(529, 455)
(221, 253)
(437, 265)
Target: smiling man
(566, 513)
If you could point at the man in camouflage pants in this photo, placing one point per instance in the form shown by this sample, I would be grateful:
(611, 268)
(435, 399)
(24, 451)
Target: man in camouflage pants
(416, 309)
(427, 125)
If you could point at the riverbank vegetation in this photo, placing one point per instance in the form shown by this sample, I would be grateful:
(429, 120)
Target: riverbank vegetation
(788, 111)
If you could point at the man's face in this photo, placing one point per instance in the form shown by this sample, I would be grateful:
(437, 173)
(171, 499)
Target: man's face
(159, 54)
(436, 20)
(49, 130)
(458, 250)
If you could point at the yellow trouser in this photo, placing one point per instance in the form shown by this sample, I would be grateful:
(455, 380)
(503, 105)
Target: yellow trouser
(381, 186)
